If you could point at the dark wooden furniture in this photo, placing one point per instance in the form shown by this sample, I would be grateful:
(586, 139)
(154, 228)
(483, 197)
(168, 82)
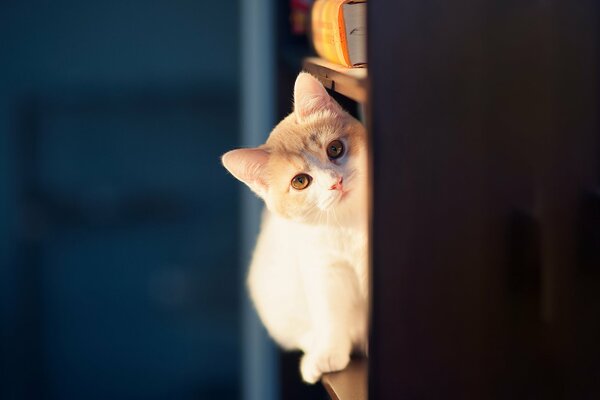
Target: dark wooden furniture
(485, 157)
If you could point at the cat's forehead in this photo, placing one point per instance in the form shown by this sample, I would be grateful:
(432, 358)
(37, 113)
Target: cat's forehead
(312, 136)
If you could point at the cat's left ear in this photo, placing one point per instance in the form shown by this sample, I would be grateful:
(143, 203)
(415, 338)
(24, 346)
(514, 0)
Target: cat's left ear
(248, 165)
(310, 96)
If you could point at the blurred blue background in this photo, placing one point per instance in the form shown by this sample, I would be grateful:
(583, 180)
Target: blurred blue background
(119, 274)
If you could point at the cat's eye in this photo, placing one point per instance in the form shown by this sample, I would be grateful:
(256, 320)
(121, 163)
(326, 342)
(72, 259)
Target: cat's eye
(335, 149)
(301, 181)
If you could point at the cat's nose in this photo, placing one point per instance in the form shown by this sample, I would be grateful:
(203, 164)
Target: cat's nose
(338, 185)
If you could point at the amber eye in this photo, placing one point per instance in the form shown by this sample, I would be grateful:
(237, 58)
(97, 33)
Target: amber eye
(335, 149)
(301, 181)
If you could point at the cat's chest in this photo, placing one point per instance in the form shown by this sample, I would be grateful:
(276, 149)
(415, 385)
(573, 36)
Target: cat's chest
(303, 244)
(340, 241)
(331, 244)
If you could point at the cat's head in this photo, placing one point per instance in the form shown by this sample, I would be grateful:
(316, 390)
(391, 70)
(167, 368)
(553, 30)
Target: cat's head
(313, 166)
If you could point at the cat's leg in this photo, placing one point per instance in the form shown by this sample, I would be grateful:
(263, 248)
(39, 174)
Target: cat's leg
(332, 295)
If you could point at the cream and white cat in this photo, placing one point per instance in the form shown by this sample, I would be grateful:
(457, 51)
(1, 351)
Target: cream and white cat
(308, 278)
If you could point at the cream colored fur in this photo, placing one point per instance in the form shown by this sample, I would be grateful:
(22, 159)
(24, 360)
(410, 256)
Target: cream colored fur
(308, 278)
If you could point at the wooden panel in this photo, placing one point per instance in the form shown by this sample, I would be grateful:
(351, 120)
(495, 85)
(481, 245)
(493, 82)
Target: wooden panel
(474, 243)
(349, 384)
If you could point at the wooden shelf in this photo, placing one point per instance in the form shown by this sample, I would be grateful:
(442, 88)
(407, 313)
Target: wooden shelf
(349, 384)
(350, 82)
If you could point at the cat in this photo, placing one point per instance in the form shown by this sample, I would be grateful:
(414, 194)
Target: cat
(309, 277)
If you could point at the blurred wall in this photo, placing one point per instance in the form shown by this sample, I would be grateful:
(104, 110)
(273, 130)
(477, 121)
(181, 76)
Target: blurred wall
(118, 262)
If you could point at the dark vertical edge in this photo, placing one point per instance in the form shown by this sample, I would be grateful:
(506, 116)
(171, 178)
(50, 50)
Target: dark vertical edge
(571, 305)
(367, 111)
(27, 334)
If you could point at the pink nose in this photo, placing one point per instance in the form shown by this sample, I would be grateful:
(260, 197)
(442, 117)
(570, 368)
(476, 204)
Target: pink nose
(338, 185)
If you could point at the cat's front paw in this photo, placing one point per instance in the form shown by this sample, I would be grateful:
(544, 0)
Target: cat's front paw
(313, 365)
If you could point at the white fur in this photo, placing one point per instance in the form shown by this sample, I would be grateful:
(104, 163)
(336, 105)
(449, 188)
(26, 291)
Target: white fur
(309, 286)
(309, 277)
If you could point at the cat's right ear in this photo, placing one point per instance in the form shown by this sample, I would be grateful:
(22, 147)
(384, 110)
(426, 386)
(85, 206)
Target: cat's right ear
(248, 165)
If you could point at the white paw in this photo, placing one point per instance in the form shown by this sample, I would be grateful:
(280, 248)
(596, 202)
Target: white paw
(313, 365)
